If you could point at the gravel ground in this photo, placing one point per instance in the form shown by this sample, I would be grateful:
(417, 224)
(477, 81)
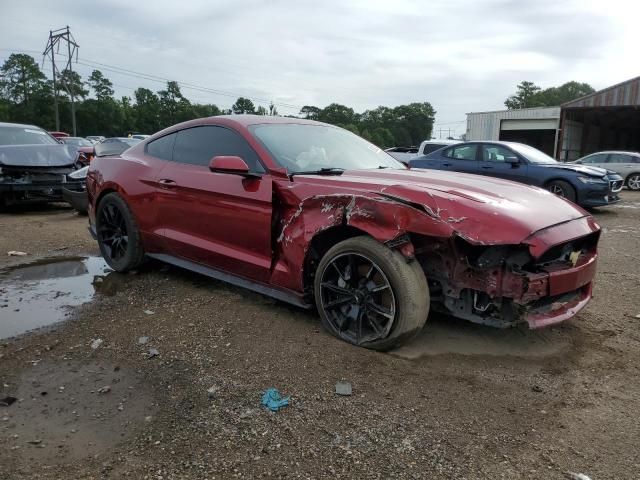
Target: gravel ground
(461, 401)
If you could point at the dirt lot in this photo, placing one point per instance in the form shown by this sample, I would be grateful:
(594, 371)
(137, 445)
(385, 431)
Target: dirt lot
(461, 401)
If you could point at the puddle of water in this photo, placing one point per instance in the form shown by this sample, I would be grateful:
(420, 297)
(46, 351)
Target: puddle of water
(442, 335)
(38, 294)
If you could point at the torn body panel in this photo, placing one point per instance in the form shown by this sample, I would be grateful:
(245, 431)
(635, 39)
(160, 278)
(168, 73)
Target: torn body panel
(487, 281)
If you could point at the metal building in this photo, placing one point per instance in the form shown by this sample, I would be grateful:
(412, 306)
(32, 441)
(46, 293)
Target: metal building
(605, 120)
(537, 127)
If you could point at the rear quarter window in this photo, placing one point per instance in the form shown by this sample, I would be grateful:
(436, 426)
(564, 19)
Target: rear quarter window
(162, 147)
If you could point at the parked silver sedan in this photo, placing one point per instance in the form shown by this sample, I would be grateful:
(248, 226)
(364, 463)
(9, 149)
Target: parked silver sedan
(627, 164)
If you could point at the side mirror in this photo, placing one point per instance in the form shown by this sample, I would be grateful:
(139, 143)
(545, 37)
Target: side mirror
(230, 164)
(579, 162)
(512, 160)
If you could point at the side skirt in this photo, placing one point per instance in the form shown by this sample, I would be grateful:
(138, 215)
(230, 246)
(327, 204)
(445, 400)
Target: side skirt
(232, 279)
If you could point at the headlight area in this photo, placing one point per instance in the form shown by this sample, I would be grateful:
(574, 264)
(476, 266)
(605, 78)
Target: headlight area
(500, 285)
(593, 181)
(80, 174)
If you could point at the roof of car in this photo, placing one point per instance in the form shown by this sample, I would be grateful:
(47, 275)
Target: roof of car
(246, 120)
(624, 152)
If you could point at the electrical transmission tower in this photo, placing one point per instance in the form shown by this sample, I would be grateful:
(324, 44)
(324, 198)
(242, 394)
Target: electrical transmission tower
(57, 39)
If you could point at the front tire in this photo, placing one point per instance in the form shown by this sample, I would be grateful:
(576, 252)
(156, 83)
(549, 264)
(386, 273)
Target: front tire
(633, 181)
(562, 189)
(368, 295)
(118, 234)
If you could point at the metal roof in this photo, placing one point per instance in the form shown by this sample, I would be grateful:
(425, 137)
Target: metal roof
(620, 95)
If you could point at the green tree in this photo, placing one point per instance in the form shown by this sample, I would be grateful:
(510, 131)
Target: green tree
(310, 112)
(71, 84)
(524, 97)
(243, 105)
(147, 110)
(261, 110)
(337, 114)
(21, 78)
(101, 86)
(273, 111)
(174, 107)
(556, 96)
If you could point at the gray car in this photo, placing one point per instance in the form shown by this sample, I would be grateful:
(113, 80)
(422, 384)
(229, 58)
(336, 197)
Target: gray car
(627, 164)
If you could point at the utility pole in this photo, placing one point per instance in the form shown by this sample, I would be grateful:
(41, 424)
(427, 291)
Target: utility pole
(56, 37)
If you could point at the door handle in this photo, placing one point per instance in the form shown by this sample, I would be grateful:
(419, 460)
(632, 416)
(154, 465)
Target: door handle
(166, 183)
(486, 167)
(446, 164)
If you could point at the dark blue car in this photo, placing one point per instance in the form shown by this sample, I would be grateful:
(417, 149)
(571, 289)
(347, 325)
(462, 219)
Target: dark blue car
(584, 185)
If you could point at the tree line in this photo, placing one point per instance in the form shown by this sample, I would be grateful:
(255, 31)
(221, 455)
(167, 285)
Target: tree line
(528, 95)
(27, 96)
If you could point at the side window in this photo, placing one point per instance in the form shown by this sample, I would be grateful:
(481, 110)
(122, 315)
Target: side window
(432, 147)
(597, 158)
(619, 158)
(495, 153)
(198, 145)
(162, 147)
(464, 152)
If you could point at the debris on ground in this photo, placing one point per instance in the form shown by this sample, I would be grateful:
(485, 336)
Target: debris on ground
(272, 399)
(16, 253)
(149, 312)
(95, 344)
(6, 401)
(536, 388)
(577, 476)
(103, 390)
(343, 388)
(211, 391)
(638, 316)
(143, 340)
(152, 353)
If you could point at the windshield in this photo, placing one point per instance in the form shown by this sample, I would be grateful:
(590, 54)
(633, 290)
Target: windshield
(307, 148)
(25, 136)
(532, 154)
(81, 142)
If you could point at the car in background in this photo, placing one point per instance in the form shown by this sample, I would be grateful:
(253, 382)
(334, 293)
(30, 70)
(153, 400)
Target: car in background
(402, 154)
(75, 194)
(406, 154)
(626, 164)
(587, 186)
(129, 141)
(84, 146)
(95, 138)
(33, 165)
(140, 136)
(314, 215)
(59, 135)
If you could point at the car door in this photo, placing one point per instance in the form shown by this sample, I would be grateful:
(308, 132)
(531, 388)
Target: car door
(221, 220)
(622, 163)
(595, 160)
(502, 162)
(460, 158)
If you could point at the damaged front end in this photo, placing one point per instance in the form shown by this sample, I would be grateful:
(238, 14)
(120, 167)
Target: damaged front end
(538, 282)
(33, 184)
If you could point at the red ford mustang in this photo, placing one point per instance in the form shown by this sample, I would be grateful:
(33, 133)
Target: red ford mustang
(311, 214)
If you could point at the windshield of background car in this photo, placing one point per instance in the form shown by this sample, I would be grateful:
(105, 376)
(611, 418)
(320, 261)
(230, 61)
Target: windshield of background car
(25, 136)
(80, 142)
(303, 148)
(532, 154)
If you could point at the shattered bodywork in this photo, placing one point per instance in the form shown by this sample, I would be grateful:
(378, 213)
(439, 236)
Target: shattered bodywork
(35, 173)
(487, 259)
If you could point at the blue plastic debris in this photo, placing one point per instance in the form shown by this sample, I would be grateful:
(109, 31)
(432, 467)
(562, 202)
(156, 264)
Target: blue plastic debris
(273, 401)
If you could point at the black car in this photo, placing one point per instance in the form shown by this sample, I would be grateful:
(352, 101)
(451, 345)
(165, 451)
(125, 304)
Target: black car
(587, 186)
(33, 165)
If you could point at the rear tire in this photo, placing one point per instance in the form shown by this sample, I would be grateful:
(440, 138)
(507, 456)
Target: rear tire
(368, 295)
(118, 234)
(562, 189)
(633, 181)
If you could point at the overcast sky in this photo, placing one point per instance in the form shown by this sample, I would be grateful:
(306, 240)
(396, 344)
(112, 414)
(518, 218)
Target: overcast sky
(460, 56)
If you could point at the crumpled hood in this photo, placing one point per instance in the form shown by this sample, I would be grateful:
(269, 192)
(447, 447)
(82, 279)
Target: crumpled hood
(37, 155)
(481, 209)
(582, 169)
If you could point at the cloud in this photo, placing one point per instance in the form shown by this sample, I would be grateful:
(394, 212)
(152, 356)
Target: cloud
(459, 55)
